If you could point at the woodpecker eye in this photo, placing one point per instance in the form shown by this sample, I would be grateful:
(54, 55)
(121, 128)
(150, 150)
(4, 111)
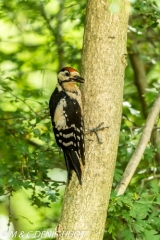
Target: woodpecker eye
(67, 73)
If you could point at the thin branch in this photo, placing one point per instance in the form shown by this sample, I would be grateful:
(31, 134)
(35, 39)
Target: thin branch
(139, 151)
(156, 128)
(24, 101)
(39, 114)
(149, 179)
(56, 31)
(9, 118)
(43, 180)
(139, 76)
(44, 15)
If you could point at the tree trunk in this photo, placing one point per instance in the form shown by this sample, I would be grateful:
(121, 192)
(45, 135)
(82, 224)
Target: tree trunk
(103, 64)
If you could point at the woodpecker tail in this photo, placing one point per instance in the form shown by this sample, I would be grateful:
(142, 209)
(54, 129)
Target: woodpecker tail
(72, 163)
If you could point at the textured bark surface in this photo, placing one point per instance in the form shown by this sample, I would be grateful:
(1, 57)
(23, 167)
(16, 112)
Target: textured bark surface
(103, 64)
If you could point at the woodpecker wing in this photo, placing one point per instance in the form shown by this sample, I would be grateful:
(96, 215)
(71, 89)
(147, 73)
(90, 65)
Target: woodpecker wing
(68, 128)
(75, 125)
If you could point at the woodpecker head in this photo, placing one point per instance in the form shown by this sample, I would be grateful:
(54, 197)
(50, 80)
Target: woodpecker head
(69, 75)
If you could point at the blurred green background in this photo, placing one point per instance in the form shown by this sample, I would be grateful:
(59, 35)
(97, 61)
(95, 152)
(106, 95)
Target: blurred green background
(37, 39)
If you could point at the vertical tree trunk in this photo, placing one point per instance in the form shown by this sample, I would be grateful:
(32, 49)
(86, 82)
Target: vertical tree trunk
(103, 64)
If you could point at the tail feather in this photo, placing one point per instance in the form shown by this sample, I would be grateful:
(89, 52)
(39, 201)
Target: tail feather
(72, 163)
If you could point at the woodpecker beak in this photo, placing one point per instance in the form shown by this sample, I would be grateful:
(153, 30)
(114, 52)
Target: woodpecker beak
(78, 79)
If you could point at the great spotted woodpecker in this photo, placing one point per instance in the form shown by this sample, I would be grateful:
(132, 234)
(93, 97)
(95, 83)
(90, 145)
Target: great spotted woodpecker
(66, 115)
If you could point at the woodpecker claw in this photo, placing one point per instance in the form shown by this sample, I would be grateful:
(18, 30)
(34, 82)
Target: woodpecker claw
(95, 130)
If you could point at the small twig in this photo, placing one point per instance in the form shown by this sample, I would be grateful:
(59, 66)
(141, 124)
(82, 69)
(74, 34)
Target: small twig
(43, 180)
(9, 211)
(156, 128)
(149, 179)
(8, 193)
(95, 130)
(24, 101)
(9, 118)
(139, 76)
(25, 218)
(44, 15)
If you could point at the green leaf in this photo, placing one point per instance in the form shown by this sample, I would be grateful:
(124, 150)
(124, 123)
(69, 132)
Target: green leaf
(154, 25)
(111, 228)
(151, 234)
(36, 132)
(154, 186)
(127, 234)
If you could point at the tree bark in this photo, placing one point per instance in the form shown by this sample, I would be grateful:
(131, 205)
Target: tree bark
(103, 64)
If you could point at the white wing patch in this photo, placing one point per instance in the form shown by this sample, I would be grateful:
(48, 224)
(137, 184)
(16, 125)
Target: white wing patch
(68, 135)
(67, 144)
(59, 116)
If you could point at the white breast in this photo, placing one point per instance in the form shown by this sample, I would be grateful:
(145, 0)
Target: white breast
(59, 115)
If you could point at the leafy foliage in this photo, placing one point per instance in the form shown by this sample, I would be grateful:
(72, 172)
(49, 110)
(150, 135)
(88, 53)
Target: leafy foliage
(27, 139)
(135, 215)
(149, 12)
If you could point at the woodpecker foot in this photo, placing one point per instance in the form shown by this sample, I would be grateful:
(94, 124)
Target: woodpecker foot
(95, 130)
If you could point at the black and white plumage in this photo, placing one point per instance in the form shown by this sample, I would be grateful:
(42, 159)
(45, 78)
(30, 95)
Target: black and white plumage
(66, 116)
